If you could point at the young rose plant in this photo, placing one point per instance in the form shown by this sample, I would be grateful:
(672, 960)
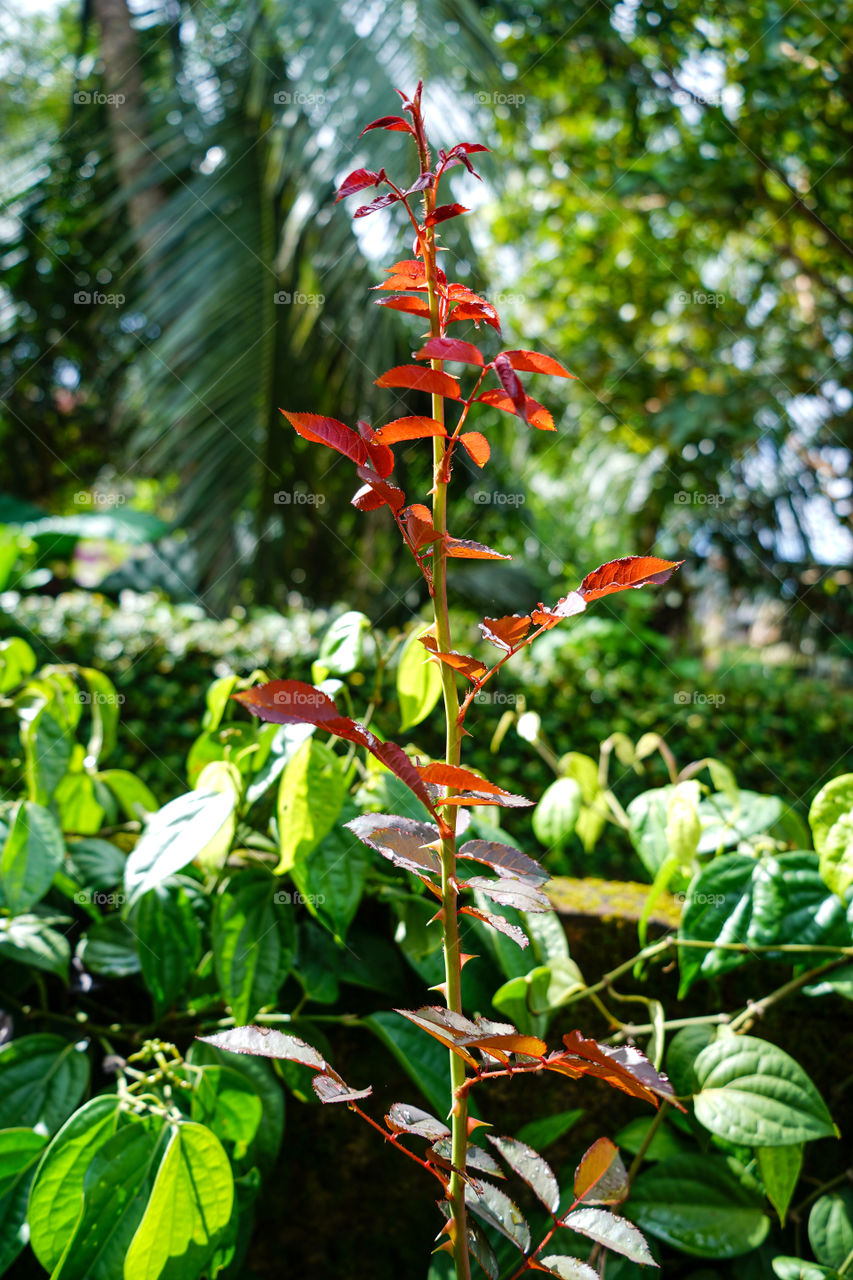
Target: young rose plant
(479, 1049)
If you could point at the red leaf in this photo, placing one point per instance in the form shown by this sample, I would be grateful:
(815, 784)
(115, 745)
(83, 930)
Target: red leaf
(461, 293)
(410, 274)
(295, 702)
(467, 147)
(476, 312)
(462, 549)
(624, 1068)
(511, 385)
(469, 667)
(443, 212)
(450, 349)
(380, 455)
(412, 375)
(328, 1089)
(497, 922)
(328, 431)
(630, 571)
(357, 181)
(537, 415)
(476, 446)
(476, 790)
(507, 633)
(533, 362)
(377, 493)
(505, 860)
(413, 428)
(402, 302)
(445, 1026)
(396, 124)
(601, 1177)
(381, 202)
(570, 605)
(419, 525)
(402, 841)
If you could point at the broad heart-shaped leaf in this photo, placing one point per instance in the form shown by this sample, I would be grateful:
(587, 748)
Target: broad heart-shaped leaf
(476, 446)
(533, 362)
(42, 1079)
(507, 633)
(496, 1209)
(779, 1168)
(612, 1232)
(568, 1268)
(30, 939)
(404, 1118)
(295, 702)
(57, 1192)
(831, 1227)
(418, 683)
(418, 378)
(623, 1067)
(32, 854)
(450, 349)
(264, 1042)
(109, 947)
(531, 1167)
(175, 835)
(479, 791)
(266, 1086)
(504, 859)
(831, 821)
(630, 571)
(328, 431)
(557, 812)
(402, 841)
(601, 1177)
(19, 1153)
(798, 1269)
(751, 1092)
(413, 428)
(509, 893)
(698, 1206)
(535, 414)
(470, 667)
(253, 941)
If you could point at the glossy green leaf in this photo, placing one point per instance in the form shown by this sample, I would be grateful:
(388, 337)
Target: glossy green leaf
(541, 1133)
(342, 647)
(169, 942)
(57, 1192)
(799, 1269)
(224, 778)
(647, 815)
(109, 948)
(42, 1079)
(556, 813)
(331, 878)
(418, 681)
(267, 1140)
(77, 804)
(725, 824)
(95, 864)
(173, 836)
(664, 1145)
(19, 1152)
(32, 939)
(253, 942)
(102, 703)
(311, 796)
(831, 821)
(699, 1207)
(277, 744)
(831, 1228)
(134, 797)
(779, 1168)
(17, 661)
(752, 1092)
(32, 853)
(47, 752)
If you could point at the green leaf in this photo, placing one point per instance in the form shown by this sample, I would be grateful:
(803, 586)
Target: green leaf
(779, 1168)
(725, 824)
(831, 821)
(418, 681)
(103, 702)
(224, 778)
(47, 751)
(831, 1228)
(664, 1144)
(135, 798)
(683, 827)
(698, 1207)
(557, 812)
(42, 1079)
(331, 879)
(169, 942)
(541, 1133)
(17, 661)
(216, 700)
(31, 940)
(95, 864)
(611, 1231)
(173, 836)
(253, 942)
(189, 1206)
(341, 647)
(19, 1152)
(109, 948)
(798, 1269)
(57, 1193)
(752, 1092)
(311, 796)
(229, 1104)
(77, 804)
(647, 814)
(32, 854)
(267, 1141)
(278, 743)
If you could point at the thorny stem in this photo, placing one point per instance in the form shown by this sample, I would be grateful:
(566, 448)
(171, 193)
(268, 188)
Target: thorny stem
(449, 914)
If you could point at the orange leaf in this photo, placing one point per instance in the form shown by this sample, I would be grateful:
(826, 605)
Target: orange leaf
(570, 605)
(462, 549)
(413, 428)
(537, 415)
(630, 571)
(419, 379)
(419, 525)
(402, 302)
(601, 1177)
(476, 446)
(469, 667)
(328, 431)
(507, 633)
(533, 362)
(450, 349)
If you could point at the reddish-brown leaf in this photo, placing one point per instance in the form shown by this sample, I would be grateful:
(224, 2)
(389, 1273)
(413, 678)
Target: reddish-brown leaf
(470, 667)
(450, 349)
(407, 274)
(630, 571)
(548, 616)
(377, 493)
(505, 860)
(520, 894)
(623, 1067)
(404, 1118)
(266, 1043)
(511, 384)
(537, 415)
(329, 1089)
(330, 432)
(443, 212)
(403, 302)
(476, 446)
(357, 181)
(381, 202)
(396, 124)
(401, 840)
(533, 362)
(381, 457)
(419, 379)
(507, 633)
(445, 1026)
(414, 428)
(601, 1177)
(475, 790)
(474, 311)
(495, 921)
(462, 549)
(419, 525)
(498, 1046)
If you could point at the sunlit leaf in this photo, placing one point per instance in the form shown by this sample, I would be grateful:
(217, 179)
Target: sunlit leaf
(264, 1042)
(536, 415)
(402, 1117)
(400, 840)
(623, 1067)
(510, 893)
(476, 446)
(450, 349)
(470, 667)
(504, 859)
(475, 790)
(463, 549)
(413, 428)
(533, 362)
(443, 212)
(498, 922)
(630, 571)
(330, 1089)
(418, 378)
(357, 181)
(396, 124)
(601, 1176)
(336, 435)
(507, 633)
